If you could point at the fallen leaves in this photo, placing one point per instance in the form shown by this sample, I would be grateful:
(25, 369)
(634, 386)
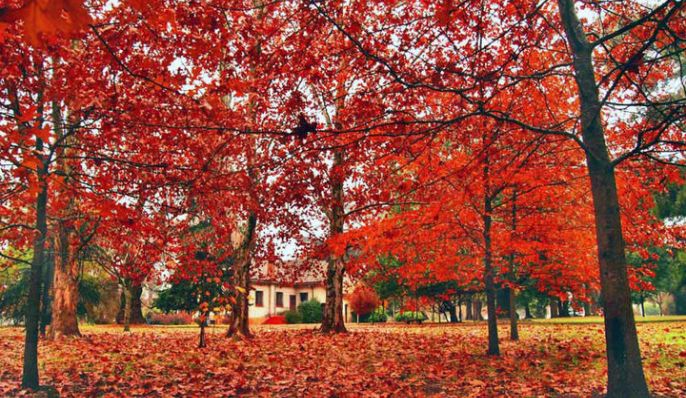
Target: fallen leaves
(380, 360)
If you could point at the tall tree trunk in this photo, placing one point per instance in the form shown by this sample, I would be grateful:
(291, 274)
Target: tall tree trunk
(240, 313)
(48, 274)
(240, 310)
(624, 367)
(66, 288)
(30, 367)
(514, 332)
(493, 346)
(30, 377)
(332, 320)
(66, 274)
(468, 304)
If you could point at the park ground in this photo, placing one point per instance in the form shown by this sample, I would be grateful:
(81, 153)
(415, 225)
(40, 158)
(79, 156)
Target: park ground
(551, 360)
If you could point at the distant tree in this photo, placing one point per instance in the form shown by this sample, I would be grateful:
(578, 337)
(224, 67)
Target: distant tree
(14, 295)
(364, 300)
(180, 296)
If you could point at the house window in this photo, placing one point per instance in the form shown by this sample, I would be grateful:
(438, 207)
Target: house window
(279, 299)
(303, 297)
(259, 298)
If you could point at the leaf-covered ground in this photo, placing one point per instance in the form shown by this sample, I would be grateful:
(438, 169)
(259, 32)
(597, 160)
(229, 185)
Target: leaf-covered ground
(382, 360)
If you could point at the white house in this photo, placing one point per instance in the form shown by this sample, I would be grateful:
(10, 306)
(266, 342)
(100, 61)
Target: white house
(270, 295)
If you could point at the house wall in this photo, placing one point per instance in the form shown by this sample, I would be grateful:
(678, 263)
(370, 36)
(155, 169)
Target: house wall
(269, 307)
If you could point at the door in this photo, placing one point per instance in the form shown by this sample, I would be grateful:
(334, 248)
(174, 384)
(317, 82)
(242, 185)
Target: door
(291, 302)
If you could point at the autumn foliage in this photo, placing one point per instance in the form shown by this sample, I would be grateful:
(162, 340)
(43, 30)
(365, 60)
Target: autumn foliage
(363, 300)
(483, 146)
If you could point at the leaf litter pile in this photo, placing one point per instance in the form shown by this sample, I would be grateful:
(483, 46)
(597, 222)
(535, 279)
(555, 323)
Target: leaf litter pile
(381, 360)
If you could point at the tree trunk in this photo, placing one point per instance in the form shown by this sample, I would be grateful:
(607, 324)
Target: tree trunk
(478, 305)
(127, 308)
(527, 311)
(503, 302)
(30, 369)
(46, 302)
(66, 289)
(469, 315)
(554, 308)
(643, 308)
(563, 309)
(625, 370)
(332, 320)
(514, 332)
(493, 347)
(202, 343)
(240, 315)
(136, 317)
(512, 310)
(448, 305)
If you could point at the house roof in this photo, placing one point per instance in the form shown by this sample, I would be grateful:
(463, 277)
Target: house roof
(291, 273)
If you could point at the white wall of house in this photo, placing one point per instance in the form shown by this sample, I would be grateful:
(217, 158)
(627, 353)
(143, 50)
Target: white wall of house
(290, 297)
(269, 304)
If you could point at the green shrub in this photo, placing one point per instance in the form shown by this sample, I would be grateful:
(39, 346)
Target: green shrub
(293, 317)
(377, 316)
(410, 316)
(311, 311)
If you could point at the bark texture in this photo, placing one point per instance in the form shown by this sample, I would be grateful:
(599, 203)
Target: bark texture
(625, 370)
(489, 277)
(46, 300)
(65, 289)
(512, 300)
(136, 317)
(240, 317)
(332, 320)
(493, 346)
(29, 377)
(30, 366)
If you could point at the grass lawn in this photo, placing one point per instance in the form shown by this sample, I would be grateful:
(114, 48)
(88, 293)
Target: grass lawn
(551, 360)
